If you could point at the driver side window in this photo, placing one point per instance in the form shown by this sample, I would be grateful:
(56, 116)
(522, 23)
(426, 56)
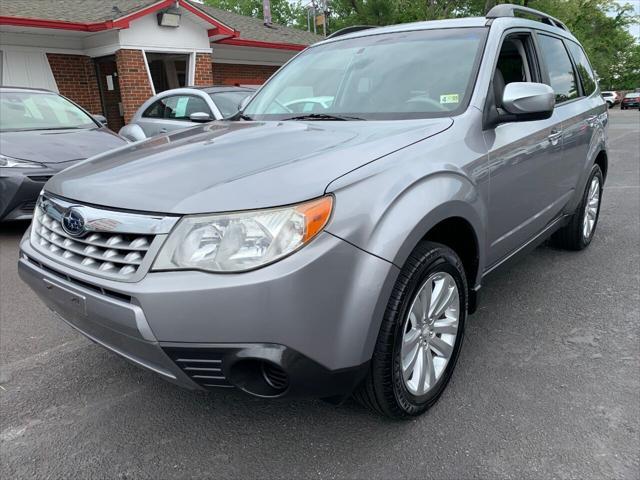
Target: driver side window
(516, 63)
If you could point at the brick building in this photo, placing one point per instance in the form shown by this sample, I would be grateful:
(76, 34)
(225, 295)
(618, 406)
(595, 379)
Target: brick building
(111, 55)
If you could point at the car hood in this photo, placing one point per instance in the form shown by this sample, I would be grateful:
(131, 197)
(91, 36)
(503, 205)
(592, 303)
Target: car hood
(225, 166)
(57, 146)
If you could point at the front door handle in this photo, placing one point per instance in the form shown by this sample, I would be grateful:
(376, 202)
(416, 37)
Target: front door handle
(163, 130)
(554, 137)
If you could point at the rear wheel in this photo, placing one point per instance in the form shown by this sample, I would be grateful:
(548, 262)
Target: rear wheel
(420, 336)
(578, 234)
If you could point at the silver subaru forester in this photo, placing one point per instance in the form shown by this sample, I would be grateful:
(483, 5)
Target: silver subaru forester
(332, 238)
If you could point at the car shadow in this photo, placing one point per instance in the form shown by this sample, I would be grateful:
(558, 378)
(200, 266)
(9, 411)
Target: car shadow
(14, 228)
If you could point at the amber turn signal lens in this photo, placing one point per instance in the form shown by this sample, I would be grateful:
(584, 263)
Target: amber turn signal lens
(316, 214)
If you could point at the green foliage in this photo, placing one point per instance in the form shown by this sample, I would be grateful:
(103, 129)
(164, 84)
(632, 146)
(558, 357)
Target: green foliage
(283, 12)
(612, 50)
(600, 25)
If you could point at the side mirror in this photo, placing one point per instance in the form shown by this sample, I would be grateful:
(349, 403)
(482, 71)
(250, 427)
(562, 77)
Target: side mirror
(132, 132)
(525, 101)
(200, 117)
(100, 119)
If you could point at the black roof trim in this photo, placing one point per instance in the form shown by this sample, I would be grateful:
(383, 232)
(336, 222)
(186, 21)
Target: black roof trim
(352, 29)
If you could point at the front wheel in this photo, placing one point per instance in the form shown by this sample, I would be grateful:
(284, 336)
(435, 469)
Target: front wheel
(420, 336)
(579, 232)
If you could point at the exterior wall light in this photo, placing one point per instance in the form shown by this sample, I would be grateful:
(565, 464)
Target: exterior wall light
(170, 18)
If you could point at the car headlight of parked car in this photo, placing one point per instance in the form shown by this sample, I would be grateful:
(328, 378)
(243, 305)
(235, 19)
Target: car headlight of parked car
(9, 162)
(242, 241)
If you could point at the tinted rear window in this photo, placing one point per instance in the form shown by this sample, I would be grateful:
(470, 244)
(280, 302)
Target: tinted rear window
(587, 77)
(561, 74)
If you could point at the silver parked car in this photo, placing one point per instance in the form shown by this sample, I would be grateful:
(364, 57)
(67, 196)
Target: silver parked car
(182, 107)
(336, 251)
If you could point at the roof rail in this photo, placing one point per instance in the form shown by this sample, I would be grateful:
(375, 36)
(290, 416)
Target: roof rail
(510, 10)
(354, 28)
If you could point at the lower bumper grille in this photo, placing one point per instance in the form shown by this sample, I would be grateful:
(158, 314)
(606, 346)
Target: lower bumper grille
(28, 206)
(203, 366)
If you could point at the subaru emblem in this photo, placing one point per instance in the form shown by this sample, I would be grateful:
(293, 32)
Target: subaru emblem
(73, 222)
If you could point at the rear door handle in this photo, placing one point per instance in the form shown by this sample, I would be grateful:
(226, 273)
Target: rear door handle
(555, 136)
(163, 130)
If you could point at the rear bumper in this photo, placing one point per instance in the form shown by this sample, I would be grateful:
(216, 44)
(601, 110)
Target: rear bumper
(314, 315)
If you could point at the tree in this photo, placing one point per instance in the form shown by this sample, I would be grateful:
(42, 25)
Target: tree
(601, 28)
(283, 12)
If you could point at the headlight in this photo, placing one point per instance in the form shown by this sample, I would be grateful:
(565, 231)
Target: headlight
(9, 162)
(242, 241)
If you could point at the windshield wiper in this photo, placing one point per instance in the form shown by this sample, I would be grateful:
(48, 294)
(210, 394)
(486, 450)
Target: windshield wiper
(239, 116)
(324, 116)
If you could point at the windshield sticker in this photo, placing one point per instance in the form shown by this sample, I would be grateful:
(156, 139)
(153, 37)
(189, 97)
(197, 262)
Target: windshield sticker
(449, 98)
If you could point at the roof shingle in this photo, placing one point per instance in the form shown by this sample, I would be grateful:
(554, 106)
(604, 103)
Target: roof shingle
(254, 29)
(95, 11)
(75, 11)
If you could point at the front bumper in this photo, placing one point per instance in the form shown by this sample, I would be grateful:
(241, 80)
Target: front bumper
(19, 190)
(315, 315)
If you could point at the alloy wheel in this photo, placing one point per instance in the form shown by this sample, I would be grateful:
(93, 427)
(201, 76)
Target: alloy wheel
(591, 209)
(429, 333)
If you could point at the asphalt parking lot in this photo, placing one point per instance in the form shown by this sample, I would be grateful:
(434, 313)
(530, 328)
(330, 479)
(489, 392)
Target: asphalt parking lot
(547, 386)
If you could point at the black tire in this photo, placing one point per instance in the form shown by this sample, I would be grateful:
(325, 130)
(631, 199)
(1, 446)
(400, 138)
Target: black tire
(383, 391)
(571, 237)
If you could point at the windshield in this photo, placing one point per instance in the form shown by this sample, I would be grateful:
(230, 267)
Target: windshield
(40, 111)
(229, 102)
(402, 75)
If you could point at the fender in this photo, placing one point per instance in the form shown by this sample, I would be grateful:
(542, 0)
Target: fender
(403, 213)
(597, 145)
(392, 223)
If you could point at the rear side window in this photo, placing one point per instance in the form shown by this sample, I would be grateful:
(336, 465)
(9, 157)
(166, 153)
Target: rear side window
(177, 107)
(156, 110)
(587, 77)
(562, 77)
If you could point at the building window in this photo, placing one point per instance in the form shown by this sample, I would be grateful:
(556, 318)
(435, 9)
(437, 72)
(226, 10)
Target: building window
(168, 70)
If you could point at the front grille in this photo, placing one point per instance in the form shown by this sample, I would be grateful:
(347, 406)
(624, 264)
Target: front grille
(203, 366)
(119, 254)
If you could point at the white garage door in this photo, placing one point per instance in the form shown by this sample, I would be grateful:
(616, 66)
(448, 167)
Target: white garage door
(24, 68)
